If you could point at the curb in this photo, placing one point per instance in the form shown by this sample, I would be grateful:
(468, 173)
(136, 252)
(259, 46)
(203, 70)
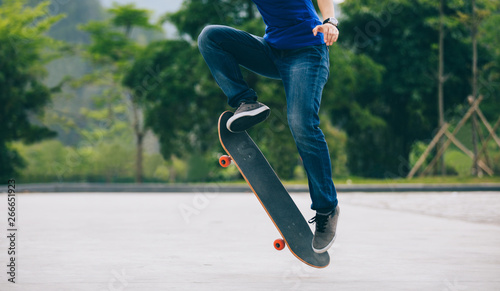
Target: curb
(222, 188)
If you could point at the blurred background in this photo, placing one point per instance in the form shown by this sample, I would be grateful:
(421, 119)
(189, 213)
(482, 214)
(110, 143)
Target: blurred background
(117, 91)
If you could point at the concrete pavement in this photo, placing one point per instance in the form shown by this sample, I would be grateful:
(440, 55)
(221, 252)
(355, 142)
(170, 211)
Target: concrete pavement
(223, 241)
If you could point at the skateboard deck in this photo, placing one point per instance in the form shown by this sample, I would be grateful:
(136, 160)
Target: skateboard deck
(271, 193)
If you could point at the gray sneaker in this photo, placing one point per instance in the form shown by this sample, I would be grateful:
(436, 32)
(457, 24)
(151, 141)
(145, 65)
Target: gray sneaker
(247, 115)
(326, 228)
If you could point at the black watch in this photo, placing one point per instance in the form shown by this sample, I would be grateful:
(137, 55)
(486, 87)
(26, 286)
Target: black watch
(332, 20)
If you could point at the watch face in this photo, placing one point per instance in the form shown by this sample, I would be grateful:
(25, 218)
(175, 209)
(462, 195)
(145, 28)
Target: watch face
(333, 21)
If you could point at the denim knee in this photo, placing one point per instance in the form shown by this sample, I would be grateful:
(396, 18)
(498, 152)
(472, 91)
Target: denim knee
(303, 126)
(207, 35)
(298, 126)
(204, 37)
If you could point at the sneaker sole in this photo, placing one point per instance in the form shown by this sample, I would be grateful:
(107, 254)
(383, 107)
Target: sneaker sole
(323, 250)
(245, 120)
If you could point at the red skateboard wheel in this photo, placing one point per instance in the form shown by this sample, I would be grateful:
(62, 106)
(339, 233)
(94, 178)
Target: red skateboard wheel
(225, 161)
(279, 244)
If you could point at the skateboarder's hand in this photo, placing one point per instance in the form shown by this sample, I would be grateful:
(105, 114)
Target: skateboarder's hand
(330, 32)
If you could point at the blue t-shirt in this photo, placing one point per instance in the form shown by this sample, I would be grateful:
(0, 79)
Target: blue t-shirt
(290, 23)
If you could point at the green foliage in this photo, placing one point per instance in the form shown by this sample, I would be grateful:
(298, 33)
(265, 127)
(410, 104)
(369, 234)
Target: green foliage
(44, 160)
(108, 160)
(337, 146)
(10, 161)
(102, 161)
(379, 107)
(107, 43)
(490, 72)
(128, 16)
(156, 168)
(24, 47)
(196, 14)
(494, 157)
(482, 10)
(112, 51)
(417, 149)
(457, 163)
(111, 39)
(349, 101)
(164, 78)
(405, 99)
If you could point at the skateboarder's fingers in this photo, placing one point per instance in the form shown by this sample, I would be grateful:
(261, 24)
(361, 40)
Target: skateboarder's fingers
(329, 36)
(330, 33)
(316, 30)
(323, 29)
(333, 35)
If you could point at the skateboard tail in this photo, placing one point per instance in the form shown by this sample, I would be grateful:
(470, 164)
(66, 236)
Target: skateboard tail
(258, 198)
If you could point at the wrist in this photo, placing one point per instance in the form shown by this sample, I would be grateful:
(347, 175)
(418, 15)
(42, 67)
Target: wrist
(331, 20)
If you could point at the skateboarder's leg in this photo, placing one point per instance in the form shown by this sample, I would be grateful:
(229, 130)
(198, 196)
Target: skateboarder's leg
(305, 73)
(225, 49)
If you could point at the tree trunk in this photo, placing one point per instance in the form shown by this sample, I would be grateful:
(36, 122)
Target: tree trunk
(138, 126)
(441, 81)
(139, 134)
(250, 11)
(474, 49)
(474, 26)
(139, 158)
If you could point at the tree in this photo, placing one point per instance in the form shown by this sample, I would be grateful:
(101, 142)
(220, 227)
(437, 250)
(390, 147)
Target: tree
(171, 80)
(112, 50)
(408, 52)
(479, 11)
(24, 48)
(443, 23)
(489, 80)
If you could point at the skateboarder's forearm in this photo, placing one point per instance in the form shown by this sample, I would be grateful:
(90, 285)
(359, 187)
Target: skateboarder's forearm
(329, 30)
(326, 8)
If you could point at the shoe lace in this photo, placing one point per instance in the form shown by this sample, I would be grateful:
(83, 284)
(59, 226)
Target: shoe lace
(321, 221)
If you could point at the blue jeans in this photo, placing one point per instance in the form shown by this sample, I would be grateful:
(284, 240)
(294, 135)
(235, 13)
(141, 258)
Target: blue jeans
(304, 72)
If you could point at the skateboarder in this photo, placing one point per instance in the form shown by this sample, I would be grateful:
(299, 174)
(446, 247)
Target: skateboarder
(294, 50)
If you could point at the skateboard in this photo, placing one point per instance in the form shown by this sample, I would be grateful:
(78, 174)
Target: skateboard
(267, 187)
